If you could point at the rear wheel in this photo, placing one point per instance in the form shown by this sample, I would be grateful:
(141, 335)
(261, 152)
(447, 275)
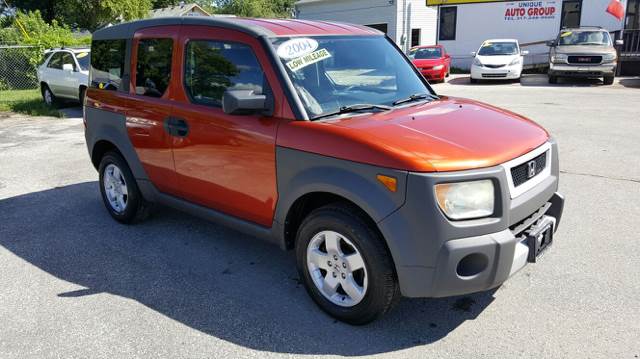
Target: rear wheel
(345, 265)
(119, 190)
(48, 96)
(608, 80)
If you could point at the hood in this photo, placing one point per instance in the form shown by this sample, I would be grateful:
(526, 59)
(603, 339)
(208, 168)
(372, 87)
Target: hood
(577, 49)
(449, 134)
(428, 62)
(497, 60)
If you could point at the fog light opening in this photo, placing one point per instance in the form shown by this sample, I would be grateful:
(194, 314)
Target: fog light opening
(472, 265)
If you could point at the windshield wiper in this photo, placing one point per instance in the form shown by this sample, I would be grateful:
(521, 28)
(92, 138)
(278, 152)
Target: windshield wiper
(415, 97)
(354, 108)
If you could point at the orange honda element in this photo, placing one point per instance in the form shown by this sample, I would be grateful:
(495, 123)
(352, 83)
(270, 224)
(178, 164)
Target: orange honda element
(323, 139)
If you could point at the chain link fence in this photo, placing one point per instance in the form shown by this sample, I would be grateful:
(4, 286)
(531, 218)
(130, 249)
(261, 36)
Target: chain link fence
(16, 72)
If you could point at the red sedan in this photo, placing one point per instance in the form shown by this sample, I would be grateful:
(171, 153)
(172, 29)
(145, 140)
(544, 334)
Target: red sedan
(433, 61)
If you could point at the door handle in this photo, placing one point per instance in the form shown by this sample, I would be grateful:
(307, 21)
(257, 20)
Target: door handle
(176, 126)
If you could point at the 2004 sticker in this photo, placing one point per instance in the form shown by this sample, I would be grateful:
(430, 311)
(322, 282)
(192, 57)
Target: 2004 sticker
(306, 60)
(294, 48)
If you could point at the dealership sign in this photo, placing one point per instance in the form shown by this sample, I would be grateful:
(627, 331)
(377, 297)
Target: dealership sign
(530, 10)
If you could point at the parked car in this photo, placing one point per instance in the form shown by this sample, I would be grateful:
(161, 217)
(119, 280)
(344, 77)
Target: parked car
(283, 130)
(433, 62)
(64, 75)
(586, 52)
(498, 59)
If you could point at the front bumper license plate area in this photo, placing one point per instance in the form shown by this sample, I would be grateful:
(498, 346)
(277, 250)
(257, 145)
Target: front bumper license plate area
(540, 237)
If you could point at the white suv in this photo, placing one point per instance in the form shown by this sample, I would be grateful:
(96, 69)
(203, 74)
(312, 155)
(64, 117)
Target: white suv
(64, 75)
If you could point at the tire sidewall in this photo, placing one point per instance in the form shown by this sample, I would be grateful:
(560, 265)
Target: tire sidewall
(45, 89)
(362, 237)
(133, 196)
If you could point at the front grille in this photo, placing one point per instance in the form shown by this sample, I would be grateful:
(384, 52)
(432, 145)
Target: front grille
(526, 171)
(494, 75)
(494, 66)
(584, 60)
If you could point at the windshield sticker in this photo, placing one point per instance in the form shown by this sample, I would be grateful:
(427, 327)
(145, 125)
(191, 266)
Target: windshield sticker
(304, 61)
(295, 48)
(486, 43)
(565, 34)
(81, 55)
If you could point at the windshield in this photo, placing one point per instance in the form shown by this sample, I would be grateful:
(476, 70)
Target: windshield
(498, 48)
(425, 53)
(569, 38)
(84, 59)
(334, 72)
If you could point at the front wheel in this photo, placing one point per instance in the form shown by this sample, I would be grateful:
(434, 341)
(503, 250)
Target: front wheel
(48, 96)
(553, 79)
(608, 80)
(345, 265)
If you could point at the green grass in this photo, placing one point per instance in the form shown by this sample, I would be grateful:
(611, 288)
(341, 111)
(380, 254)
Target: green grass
(28, 102)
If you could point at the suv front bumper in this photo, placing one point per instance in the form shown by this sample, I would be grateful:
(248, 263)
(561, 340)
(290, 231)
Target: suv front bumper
(437, 257)
(582, 70)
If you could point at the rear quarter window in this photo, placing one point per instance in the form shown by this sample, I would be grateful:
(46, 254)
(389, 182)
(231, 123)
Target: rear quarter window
(153, 70)
(107, 64)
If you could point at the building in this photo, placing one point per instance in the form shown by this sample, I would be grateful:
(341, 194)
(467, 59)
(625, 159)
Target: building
(179, 10)
(462, 25)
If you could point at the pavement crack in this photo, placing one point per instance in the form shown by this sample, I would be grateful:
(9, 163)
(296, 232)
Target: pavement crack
(633, 180)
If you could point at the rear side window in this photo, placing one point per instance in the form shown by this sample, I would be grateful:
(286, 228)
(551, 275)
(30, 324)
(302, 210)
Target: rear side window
(212, 67)
(153, 70)
(107, 64)
(56, 61)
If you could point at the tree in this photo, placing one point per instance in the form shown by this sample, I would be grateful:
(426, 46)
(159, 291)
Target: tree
(255, 8)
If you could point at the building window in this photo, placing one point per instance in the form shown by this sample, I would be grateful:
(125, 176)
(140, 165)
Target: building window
(633, 15)
(213, 67)
(379, 27)
(153, 68)
(107, 64)
(415, 37)
(571, 11)
(447, 30)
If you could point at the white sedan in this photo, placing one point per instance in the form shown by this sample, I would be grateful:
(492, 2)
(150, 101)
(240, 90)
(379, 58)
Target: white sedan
(64, 75)
(499, 59)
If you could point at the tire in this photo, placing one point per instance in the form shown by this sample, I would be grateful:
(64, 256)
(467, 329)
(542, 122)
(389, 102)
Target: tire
(374, 274)
(48, 97)
(553, 79)
(608, 80)
(82, 93)
(129, 208)
(474, 81)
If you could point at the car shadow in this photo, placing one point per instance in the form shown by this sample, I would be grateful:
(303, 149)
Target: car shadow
(632, 82)
(208, 277)
(529, 80)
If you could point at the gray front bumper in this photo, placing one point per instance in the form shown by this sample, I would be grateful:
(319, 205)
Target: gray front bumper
(582, 70)
(427, 247)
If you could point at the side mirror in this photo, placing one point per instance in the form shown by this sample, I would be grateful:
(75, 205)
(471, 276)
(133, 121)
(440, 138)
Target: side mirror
(619, 42)
(552, 43)
(67, 68)
(473, 53)
(524, 52)
(241, 102)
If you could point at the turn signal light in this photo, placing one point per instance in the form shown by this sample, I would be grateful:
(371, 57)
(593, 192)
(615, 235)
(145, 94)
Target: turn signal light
(390, 182)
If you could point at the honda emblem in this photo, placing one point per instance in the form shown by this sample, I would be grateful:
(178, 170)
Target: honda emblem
(531, 167)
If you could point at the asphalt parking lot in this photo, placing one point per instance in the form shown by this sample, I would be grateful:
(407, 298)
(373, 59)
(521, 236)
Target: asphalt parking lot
(73, 283)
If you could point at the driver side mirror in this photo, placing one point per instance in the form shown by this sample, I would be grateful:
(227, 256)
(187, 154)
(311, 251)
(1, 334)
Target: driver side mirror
(552, 43)
(524, 52)
(619, 42)
(242, 102)
(473, 53)
(67, 68)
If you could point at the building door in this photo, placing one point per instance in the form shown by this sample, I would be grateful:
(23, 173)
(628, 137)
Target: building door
(415, 37)
(571, 13)
(379, 27)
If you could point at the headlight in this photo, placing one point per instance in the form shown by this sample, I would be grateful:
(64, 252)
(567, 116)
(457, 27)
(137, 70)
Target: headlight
(609, 58)
(439, 67)
(515, 61)
(477, 62)
(466, 200)
(559, 58)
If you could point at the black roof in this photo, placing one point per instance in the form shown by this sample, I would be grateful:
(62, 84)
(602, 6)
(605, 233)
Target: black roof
(128, 29)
